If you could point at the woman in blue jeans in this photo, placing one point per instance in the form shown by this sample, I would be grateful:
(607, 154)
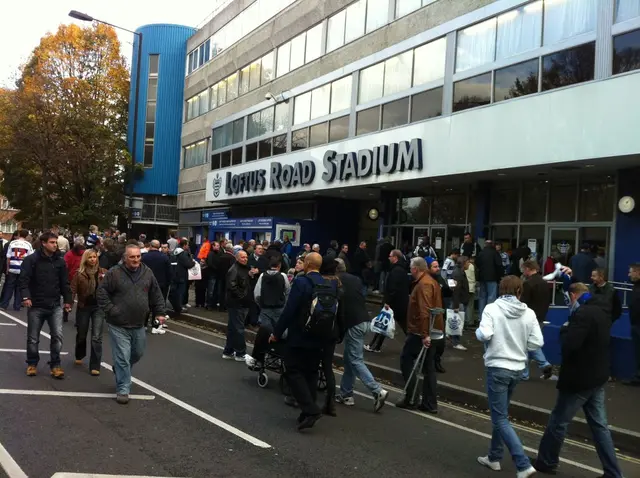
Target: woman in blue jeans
(510, 330)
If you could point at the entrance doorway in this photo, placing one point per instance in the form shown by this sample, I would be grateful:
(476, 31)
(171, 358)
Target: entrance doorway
(563, 241)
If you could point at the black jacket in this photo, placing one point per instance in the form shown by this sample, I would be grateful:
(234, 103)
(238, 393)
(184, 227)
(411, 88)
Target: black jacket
(447, 292)
(331, 253)
(212, 261)
(183, 262)
(360, 263)
(537, 295)
(261, 263)
(396, 290)
(460, 293)
(108, 259)
(224, 263)
(385, 249)
(585, 349)
(609, 299)
(489, 265)
(353, 302)
(44, 279)
(634, 304)
(582, 265)
(5, 249)
(238, 287)
(160, 265)
(470, 249)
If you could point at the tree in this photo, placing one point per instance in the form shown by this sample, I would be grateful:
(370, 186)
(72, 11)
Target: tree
(63, 130)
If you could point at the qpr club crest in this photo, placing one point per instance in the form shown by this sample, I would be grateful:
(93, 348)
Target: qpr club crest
(217, 185)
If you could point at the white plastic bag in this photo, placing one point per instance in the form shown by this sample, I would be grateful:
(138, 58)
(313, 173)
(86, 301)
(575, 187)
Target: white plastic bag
(384, 324)
(195, 273)
(455, 322)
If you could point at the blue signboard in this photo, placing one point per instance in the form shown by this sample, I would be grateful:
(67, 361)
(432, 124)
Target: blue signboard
(214, 214)
(244, 223)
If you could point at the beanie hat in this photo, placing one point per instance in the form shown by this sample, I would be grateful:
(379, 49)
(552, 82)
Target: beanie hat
(429, 260)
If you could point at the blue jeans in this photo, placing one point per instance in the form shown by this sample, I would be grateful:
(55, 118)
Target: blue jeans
(540, 359)
(500, 386)
(11, 287)
(593, 406)
(212, 292)
(36, 318)
(487, 295)
(235, 332)
(354, 365)
(127, 346)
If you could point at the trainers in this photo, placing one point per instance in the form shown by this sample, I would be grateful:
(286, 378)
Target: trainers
(348, 401)
(158, 331)
(95, 373)
(32, 370)
(57, 372)
(555, 274)
(526, 473)
(239, 358)
(368, 348)
(379, 400)
(309, 421)
(547, 372)
(492, 465)
(122, 399)
(227, 356)
(460, 347)
(77, 362)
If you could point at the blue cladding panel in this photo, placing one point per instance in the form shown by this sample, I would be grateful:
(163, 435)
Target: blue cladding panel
(170, 42)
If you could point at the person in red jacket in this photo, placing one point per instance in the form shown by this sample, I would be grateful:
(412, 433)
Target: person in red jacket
(73, 258)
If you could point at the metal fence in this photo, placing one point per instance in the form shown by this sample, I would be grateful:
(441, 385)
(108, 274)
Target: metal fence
(557, 296)
(159, 212)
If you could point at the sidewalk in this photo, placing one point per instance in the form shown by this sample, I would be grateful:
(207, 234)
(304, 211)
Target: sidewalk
(464, 383)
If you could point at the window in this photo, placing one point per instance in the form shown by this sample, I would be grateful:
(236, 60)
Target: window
(284, 55)
(397, 73)
(238, 130)
(215, 161)
(404, 7)
(150, 116)
(427, 104)
(252, 152)
(222, 136)
(152, 91)
(204, 101)
(476, 45)
(153, 65)
(264, 148)
(318, 134)
(341, 94)
(222, 93)
(519, 30)
(232, 87)
(626, 52)
(568, 18)
(335, 31)
(225, 159)
(472, 92)
(254, 127)
(562, 201)
(626, 9)
(368, 121)
(195, 154)
(300, 139)
(371, 83)
(568, 67)
(534, 200)
(355, 21)
(596, 200)
(236, 156)
(244, 80)
(314, 43)
(213, 96)
(377, 14)
(266, 119)
(339, 129)
(395, 113)
(320, 99)
(281, 117)
(267, 68)
(148, 155)
(429, 62)
(516, 80)
(297, 52)
(302, 108)
(504, 204)
(279, 144)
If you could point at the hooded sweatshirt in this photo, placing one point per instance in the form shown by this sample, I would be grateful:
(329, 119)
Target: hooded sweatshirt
(511, 330)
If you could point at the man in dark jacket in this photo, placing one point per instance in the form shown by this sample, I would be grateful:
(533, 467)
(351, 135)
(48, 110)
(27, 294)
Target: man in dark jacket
(583, 375)
(361, 265)
(239, 299)
(179, 286)
(634, 318)
(126, 295)
(489, 266)
(258, 263)
(396, 296)
(332, 251)
(344, 255)
(603, 290)
(225, 261)
(582, 264)
(383, 258)
(357, 325)
(43, 280)
(213, 286)
(160, 266)
(469, 248)
(459, 293)
(537, 296)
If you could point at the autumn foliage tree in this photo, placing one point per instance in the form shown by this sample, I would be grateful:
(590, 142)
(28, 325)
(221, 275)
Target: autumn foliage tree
(63, 130)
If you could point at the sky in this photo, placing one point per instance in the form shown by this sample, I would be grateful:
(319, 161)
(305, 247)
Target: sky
(24, 22)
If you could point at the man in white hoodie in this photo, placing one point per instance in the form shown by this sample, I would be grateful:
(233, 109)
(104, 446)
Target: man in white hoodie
(510, 330)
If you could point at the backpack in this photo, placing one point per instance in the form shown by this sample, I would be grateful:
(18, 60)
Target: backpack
(272, 291)
(323, 310)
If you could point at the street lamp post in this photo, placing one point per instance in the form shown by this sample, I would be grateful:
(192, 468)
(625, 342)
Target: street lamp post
(88, 18)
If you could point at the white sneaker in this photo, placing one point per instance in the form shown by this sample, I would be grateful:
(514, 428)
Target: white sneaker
(250, 361)
(492, 465)
(240, 358)
(158, 330)
(166, 324)
(379, 399)
(186, 306)
(376, 292)
(348, 401)
(460, 347)
(526, 473)
(555, 274)
(227, 357)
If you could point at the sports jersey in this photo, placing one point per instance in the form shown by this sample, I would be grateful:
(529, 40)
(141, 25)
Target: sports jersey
(17, 251)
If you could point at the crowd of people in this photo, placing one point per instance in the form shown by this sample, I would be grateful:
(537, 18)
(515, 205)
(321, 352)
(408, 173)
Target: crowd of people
(307, 303)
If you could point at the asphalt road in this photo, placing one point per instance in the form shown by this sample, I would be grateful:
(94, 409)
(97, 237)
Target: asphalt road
(200, 416)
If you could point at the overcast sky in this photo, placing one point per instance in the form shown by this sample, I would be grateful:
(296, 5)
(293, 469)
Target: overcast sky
(24, 22)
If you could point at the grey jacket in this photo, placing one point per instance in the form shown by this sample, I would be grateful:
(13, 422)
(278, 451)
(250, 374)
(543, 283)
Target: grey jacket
(127, 298)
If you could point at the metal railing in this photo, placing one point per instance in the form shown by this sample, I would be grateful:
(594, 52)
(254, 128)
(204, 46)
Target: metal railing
(622, 288)
(159, 212)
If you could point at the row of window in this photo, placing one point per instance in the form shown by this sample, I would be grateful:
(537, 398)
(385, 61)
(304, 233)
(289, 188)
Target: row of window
(150, 120)
(319, 134)
(244, 23)
(196, 154)
(321, 101)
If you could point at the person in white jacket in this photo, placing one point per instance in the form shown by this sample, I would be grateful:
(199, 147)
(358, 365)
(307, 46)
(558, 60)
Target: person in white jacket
(510, 330)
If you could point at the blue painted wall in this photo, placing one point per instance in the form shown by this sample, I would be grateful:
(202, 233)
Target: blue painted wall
(627, 226)
(170, 42)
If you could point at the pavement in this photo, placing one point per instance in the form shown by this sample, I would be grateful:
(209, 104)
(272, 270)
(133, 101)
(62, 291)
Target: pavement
(196, 415)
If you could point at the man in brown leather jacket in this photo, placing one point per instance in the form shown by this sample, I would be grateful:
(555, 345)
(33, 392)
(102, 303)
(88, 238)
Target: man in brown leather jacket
(425, 295)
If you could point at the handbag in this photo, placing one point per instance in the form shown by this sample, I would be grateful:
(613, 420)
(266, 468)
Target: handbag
(384, 324)
(455, 322)
(195, 273)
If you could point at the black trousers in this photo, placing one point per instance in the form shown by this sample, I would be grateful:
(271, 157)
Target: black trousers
(327, 369)
(410, 352)
(221, 283)
(378, 339)
(201, 290)
(261, 343)
(301, 365)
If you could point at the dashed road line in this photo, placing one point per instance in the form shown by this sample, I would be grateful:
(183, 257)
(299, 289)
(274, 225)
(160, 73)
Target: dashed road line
(57, 393)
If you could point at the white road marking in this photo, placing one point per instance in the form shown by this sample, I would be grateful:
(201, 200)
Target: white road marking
(56, 393)
(204, 342)
(10, 325)
(93, 475)
(24, 351)
(9, 465)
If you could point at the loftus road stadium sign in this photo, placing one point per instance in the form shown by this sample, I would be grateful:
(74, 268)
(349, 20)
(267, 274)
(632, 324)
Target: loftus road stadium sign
(300, 171)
